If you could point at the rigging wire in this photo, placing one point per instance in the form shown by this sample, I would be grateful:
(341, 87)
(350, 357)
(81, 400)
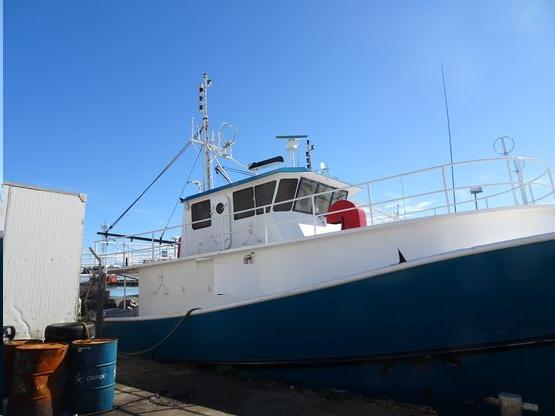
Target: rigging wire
(151, 183)
(238, 171)
(181, 193)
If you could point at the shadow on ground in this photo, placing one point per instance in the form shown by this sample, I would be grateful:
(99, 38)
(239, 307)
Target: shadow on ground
(146, 387)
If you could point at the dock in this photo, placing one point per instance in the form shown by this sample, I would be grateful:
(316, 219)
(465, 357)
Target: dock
(177, 389)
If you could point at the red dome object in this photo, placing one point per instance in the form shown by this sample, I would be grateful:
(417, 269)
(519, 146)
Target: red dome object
(349, 215)
(112, 279)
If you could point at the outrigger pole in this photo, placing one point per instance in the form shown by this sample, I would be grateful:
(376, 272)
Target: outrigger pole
(158, 240)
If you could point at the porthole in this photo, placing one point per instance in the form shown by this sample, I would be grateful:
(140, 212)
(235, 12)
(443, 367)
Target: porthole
(220, 207)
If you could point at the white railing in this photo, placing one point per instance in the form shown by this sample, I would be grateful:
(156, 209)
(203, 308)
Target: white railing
(514, 181)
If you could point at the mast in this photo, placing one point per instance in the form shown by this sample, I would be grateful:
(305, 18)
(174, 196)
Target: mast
(203, 108)
(202, 136)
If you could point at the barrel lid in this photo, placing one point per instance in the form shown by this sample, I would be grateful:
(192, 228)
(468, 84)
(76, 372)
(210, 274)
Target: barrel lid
(42, 346)
(93, 341)
(16, 342)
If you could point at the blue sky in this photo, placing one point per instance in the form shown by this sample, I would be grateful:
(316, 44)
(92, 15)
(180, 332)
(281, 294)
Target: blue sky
(99, 95)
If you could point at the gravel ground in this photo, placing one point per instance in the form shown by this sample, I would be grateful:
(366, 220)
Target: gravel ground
(147, 387)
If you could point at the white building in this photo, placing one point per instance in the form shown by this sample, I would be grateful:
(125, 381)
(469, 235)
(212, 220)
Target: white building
(43, 234)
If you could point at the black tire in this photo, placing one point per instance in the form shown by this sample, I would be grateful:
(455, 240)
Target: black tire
(66, 332)
(8, 332)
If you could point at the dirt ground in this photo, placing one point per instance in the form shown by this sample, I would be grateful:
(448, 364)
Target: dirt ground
(146, 387)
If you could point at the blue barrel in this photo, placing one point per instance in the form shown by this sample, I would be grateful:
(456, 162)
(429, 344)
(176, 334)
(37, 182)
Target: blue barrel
(93, 374)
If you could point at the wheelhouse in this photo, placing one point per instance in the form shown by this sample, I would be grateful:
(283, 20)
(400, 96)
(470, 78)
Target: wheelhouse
(275, 206)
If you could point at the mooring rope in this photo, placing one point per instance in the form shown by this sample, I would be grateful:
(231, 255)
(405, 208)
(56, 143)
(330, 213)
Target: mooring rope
(169, 334)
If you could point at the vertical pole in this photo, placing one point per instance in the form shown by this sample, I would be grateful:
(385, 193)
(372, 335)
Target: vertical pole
(101, 302)
(203, 107)
(313, 212)
(403, 195)
(520, 182)
(266, 225)
(445, 190)
(370, 204)
(152, 239)
(124, 292)
(531, 194)
(506, 155)
(450, 142)
(100, 298)
(511, 181)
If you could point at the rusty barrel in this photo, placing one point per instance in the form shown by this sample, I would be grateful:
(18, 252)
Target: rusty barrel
(8, 353)
(38, 379)
(93, 374)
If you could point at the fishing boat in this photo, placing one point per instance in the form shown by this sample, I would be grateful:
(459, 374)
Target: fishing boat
(433, 286)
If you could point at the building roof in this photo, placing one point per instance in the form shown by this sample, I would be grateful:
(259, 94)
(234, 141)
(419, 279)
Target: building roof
(83, 197)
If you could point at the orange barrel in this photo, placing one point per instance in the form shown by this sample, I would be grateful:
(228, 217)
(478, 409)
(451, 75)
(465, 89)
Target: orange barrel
(38, 379)
(8, 357)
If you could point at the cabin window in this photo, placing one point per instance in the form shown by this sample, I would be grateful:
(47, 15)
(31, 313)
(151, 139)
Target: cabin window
(263, 195)
(328, 196)
(286, 191)
(243, 200)
(323, 201)
(307, 187)
(338, 196)
(201, 211)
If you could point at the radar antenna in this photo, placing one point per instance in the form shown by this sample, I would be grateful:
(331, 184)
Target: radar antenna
(292, 146)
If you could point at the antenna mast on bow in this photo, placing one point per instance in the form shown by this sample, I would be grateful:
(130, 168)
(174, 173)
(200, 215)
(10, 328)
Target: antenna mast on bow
(203, 108)
(211, 148)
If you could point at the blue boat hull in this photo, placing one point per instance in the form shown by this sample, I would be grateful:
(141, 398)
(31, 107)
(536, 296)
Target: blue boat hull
(460, 307)
(453, 384)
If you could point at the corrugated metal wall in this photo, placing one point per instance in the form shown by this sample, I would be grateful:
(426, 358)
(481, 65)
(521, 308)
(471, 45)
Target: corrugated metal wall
(43, 234)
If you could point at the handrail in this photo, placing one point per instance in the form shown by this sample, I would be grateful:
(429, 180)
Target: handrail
(374, 206)
(358, 185)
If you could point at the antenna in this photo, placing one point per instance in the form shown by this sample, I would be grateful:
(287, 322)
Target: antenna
(324, 168)
(292, 145)
(450, 142)
(309, 150)
(203, 108)
(211, 147)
